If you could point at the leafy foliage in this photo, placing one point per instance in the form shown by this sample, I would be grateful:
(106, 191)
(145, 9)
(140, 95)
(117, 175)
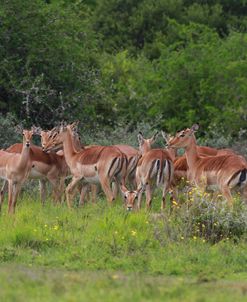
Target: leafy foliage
(166, 63)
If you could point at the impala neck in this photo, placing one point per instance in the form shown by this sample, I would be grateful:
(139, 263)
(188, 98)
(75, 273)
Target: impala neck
(191, 153)
(145, 147)
(172, 152)
(69, 151)
(24, 156)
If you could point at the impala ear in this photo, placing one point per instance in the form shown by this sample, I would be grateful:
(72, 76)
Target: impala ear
(62, 128)
(166, 137)
(123, 188)
(55, 129)
(18, 129)
(154, 137)
(141, 189)
(140, 138)
(74, 125)
(195, 127)
(36, 130)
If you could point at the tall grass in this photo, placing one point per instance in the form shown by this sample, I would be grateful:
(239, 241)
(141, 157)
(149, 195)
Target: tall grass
(200, 236)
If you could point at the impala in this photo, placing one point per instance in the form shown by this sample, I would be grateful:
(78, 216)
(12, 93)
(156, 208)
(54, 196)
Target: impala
(155, 165)
(97, 164)
(132, 154)
(15, 168)
(130, 197)
(51, 167)
(180, 163)
(226, 171)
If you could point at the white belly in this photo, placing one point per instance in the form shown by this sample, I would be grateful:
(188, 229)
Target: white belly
(3, 173)
(34, 174)
(94, 179)
(88, 172)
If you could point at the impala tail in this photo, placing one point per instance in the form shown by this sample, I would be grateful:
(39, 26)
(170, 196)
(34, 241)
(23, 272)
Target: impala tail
(118, 167)
(132, 164)
(238, 179)
(164, 170)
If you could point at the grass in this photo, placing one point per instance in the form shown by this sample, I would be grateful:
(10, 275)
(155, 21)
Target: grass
(21, 283)
(195, 253)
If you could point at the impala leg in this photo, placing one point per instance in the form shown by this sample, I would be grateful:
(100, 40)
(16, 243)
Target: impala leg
(55, 190)
(16, 191)
(148, 196)
(164, 192)
(10, 195)
(79, 187)
(87, 194)
(42, 187)
(244, 194)
(115, 189)
(3, 191)
(139, 186)
(132, 181)
(61, 189)
(227, 194)
(106, 187)
(94, 190)
(70, 189)
(84, 191)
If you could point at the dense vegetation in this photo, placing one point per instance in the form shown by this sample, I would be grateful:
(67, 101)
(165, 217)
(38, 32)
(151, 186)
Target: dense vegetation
(168, 63)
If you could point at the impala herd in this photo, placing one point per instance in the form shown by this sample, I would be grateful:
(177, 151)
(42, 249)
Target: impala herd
(117, 167)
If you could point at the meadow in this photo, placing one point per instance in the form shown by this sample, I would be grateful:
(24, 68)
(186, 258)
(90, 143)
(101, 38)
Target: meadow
(192, 251)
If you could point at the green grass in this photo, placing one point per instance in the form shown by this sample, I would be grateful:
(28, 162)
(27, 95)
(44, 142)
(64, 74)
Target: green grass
(20, 283)
(104, 253)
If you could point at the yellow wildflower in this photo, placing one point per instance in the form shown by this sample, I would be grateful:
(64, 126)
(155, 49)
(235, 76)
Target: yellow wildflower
(133, 233)
(115, 277)
(174, 202)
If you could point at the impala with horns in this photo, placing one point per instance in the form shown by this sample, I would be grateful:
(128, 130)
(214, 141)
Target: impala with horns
(155, 166)
(97, 164)
(15, 168)
(226, 171)
(51, 167)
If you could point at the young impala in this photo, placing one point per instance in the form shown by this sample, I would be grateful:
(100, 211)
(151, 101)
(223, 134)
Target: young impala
(51, 167)
(226, 171)
(15, 168)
